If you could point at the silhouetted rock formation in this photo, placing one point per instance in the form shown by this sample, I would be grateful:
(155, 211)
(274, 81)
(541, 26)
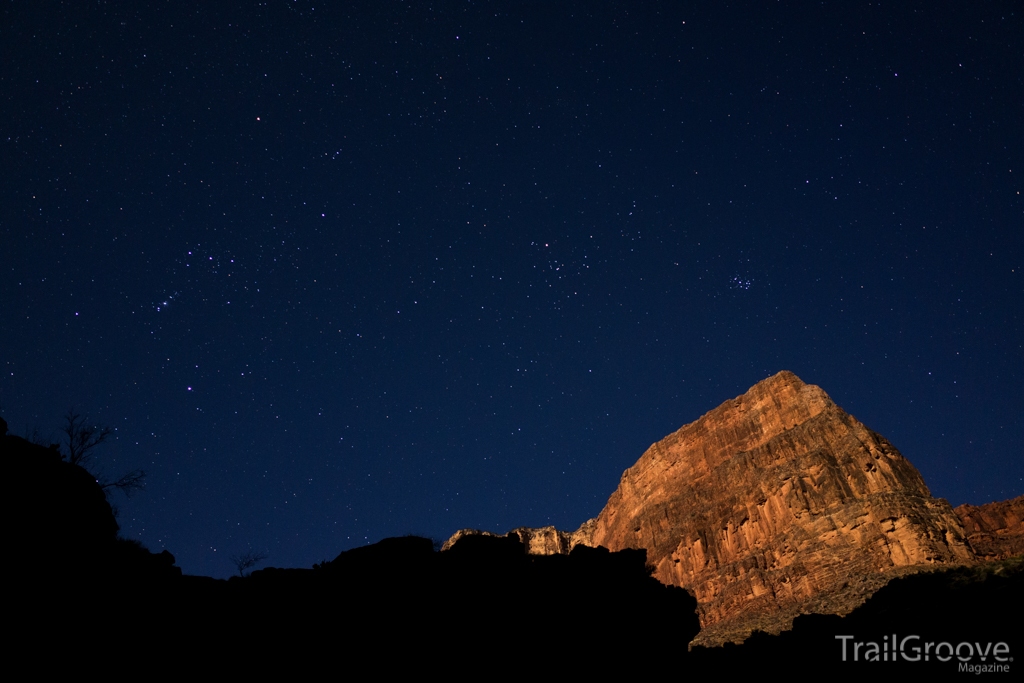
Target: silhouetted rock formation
(484, 603)
(399, 601)
(995, 531)
(72, 582)
(478, 585)
(60, 510)
(63, 527)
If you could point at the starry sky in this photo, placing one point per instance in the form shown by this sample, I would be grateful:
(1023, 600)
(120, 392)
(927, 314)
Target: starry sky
(336, 272)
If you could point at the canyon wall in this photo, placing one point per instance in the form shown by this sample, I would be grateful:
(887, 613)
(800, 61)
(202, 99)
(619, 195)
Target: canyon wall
(778, 502)
(995, 531)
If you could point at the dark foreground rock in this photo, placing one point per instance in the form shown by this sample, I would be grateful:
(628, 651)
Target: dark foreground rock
(80, 595)
(939, 624)
(80, 599)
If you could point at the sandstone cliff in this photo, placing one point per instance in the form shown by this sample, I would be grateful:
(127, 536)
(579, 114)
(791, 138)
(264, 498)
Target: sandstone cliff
(995, 531)
(775, 503)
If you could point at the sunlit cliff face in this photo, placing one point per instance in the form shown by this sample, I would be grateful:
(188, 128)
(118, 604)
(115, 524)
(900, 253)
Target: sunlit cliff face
(772, 501)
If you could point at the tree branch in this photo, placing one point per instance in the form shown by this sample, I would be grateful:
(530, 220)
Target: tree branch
(127, 483)
(82, 438)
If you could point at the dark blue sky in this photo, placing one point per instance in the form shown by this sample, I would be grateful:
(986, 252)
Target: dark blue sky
(336, 274)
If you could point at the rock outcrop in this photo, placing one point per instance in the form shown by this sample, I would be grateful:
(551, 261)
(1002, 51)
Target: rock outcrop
(776, 503)
(545, 540)
(995, 531)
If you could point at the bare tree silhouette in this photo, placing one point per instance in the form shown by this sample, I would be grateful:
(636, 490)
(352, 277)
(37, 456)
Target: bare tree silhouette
(247, 560)
(82, 440)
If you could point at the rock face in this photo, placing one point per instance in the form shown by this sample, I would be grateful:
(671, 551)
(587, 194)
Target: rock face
(546, 540)
(776, 503)
(995, 531)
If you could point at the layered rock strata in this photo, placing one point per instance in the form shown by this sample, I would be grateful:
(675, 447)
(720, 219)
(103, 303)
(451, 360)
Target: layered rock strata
(775, 503)
(995, 531)
(779, 503)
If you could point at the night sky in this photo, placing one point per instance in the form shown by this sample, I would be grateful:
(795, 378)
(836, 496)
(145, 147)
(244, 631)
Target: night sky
(337, 273)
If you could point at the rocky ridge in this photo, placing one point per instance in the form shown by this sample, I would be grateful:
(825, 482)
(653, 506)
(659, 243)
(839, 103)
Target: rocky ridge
(546, 540)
